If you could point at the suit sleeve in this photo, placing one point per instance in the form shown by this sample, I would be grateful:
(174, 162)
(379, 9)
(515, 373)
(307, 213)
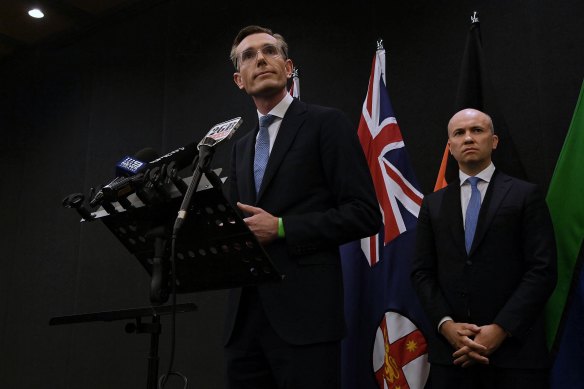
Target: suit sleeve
(354, 212)
(424, 274)
(539, 278)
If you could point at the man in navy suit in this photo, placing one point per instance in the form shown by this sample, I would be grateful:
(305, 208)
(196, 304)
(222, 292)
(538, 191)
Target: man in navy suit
(485, 292)
(314, 194)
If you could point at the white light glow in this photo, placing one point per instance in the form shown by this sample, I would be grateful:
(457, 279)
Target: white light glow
(36, 13)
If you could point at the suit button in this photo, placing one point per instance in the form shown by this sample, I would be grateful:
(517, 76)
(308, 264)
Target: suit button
(469, 263)
(463, 295)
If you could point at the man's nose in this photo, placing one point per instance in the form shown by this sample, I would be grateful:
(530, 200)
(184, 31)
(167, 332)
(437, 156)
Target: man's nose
(260, 57)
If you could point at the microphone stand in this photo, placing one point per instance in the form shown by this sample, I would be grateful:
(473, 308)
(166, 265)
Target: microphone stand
(202, 162)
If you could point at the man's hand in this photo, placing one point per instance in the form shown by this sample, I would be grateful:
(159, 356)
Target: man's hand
(491, 336)
(263, 224)
(462, 337)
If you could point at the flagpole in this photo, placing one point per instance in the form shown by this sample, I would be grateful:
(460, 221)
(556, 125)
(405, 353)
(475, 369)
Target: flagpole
(295, 87)
(379, 298)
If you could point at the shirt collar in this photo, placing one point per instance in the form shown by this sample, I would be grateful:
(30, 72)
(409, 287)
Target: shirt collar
(280, 109)
(484, 175)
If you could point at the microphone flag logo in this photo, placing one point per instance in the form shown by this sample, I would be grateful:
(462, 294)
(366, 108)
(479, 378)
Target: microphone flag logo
(221, 131)
(130, 165)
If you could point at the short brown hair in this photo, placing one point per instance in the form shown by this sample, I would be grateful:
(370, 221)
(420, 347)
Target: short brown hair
(249, 30)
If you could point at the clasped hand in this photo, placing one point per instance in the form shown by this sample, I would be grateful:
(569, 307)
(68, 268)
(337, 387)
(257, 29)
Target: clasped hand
(473, 344)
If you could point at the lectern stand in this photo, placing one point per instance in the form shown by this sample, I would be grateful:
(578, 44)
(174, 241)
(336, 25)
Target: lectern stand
(214, 249)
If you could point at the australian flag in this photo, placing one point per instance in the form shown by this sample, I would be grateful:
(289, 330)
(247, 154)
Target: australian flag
(385, 346)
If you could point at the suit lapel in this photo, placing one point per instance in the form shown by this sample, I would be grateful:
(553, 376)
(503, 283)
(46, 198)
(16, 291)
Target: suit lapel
(496, 192)
(246, 188)
(453, 214)
(291, 123)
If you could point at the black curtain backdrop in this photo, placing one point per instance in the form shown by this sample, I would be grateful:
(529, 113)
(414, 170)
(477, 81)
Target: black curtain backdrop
(161, 78)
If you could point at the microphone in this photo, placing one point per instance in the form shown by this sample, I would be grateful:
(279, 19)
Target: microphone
(218, 133)
(130, 166)
(139, 169)
(129, 171)
(182, 157)
(164, 170)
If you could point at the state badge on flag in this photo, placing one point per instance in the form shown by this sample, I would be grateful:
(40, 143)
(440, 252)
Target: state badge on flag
(400, 354)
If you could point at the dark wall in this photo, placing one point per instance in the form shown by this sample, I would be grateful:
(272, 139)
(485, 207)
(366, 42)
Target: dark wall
(161, 78)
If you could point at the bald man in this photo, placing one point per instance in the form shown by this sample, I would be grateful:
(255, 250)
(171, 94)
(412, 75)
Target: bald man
(484, 268)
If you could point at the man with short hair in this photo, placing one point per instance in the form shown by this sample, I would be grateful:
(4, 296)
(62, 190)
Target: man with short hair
(303, 183)
(484, 268)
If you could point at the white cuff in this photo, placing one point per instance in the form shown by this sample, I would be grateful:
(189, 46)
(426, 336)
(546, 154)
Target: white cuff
(444, 319)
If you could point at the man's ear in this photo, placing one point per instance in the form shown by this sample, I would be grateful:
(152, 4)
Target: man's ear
(238, 81)
(495, 141)
(289, 68)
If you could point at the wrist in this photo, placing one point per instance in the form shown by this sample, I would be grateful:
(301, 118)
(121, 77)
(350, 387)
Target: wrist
(281, 232)
(502, 331)
(444, 320)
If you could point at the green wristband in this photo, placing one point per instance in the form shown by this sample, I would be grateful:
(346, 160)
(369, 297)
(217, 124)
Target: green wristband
(281, 233)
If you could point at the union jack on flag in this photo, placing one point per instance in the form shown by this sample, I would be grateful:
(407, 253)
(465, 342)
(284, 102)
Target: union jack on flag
(382, 142)
(385, 345)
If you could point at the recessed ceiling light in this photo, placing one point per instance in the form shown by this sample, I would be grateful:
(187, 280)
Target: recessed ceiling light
(36, 13)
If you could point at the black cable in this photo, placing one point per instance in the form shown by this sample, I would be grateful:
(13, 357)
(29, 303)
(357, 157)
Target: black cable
(201, 163)
(164, 378)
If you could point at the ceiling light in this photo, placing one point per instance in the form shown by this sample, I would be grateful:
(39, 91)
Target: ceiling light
(36, 13)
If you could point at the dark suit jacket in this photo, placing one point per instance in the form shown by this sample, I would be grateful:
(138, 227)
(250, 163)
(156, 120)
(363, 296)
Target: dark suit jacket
(318, 181)
(506, 278)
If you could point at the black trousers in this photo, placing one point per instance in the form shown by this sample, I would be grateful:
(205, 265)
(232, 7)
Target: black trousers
(257, 358)
(487, 377)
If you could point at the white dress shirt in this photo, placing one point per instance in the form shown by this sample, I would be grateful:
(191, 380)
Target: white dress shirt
(278, 111)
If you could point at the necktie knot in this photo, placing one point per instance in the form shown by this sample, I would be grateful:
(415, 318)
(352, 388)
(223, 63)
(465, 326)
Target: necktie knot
(266, 120)
(473, 181)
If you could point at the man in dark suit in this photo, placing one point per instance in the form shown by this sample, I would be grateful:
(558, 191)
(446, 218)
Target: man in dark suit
(484, 292)
(314, 193)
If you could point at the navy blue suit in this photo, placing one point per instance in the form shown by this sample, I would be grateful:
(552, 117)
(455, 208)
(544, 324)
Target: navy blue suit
(287, 334)
(318, 181)
(505, 279)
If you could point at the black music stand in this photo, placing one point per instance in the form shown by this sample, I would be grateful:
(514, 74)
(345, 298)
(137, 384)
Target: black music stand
(214, 249)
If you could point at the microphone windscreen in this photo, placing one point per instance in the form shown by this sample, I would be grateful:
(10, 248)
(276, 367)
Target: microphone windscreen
(147, 154)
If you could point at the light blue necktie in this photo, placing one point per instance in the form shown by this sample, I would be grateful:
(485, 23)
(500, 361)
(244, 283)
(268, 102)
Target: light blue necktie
(472, 212)
(262, 150)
